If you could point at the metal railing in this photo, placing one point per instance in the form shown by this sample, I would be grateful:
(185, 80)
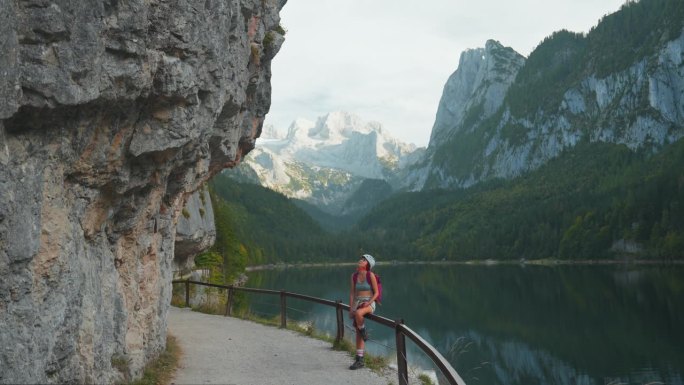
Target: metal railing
(401, 331)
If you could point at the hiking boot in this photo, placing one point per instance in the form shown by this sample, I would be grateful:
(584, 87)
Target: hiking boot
(364, 333)
(358, 363)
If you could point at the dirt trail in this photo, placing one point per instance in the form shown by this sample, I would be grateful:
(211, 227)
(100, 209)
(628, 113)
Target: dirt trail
(226, 350)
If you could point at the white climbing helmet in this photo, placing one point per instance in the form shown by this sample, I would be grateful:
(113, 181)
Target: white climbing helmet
(370, 259)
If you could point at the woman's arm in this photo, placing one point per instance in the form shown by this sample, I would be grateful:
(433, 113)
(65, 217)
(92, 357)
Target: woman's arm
(374, 283)
(351, 292)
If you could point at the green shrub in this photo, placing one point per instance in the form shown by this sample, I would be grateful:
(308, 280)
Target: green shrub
(425, 379)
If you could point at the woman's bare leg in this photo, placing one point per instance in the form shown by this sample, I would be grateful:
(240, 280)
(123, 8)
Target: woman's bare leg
(360, 342)
(359, 313)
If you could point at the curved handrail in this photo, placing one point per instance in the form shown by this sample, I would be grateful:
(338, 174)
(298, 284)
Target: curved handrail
(447, 370)
(400, 328)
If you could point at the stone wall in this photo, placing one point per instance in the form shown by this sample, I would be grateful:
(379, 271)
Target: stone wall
(111, 114)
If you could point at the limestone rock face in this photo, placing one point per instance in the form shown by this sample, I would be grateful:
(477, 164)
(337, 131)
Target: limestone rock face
(111, 114)
(195, 231)
(473, 93)
(478, 136)
(479, 84)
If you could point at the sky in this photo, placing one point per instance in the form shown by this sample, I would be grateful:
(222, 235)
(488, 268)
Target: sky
(388, 60)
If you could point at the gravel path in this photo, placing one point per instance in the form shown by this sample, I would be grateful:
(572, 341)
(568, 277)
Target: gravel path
(226, 350)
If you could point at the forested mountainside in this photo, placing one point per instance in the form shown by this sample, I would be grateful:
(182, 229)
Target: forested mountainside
(256, 225)
(595, 201)
(620, 83)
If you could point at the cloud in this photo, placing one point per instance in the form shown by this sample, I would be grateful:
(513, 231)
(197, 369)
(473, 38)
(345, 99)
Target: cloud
(388, 60)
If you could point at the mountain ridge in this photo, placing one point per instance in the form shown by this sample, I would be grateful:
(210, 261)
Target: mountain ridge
(325, 162)
(565, 91)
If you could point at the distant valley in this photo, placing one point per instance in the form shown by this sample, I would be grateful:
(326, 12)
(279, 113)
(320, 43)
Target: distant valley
(339, 165)
(574, 152)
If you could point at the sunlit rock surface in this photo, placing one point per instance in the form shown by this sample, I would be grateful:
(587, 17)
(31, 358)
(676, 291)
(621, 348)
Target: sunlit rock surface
(111, 114)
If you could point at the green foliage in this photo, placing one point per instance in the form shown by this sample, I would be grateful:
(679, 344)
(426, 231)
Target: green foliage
(552, 67)
(268, 40)
(227, 250)
(619, 40)
(370, 193)
(270, 36)
(186, 213)
(345, 346)
(120, 363)
(161, 370)
(584, 238)
(212, 261)
(561, 63)
(458, 155)
(329, 222)
(575, 207)
(595, 201)
(425, 379)
(637, 30)
(281, 30)
(271, 228)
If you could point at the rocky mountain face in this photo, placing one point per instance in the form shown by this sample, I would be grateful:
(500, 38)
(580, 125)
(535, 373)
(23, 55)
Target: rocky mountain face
(195, 229)
(472, 93)
(478, 87)
(111, 115)
(501, 116)
(325, 162)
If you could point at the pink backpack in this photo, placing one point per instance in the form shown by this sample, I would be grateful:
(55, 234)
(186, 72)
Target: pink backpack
(377, 279)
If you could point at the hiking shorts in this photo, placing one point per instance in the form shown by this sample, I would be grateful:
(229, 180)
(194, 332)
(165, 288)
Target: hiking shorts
(358, 301)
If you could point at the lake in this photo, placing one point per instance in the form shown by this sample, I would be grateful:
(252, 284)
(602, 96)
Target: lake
(514, 324)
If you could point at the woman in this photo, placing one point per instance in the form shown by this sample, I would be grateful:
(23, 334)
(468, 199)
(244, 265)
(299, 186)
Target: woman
(364, 291)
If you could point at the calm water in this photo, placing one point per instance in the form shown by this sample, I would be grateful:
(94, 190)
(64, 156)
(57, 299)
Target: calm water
(519, 325)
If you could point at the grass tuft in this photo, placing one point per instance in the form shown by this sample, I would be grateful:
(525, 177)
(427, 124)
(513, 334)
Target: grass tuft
(161, 370)
(425, 379)
(344, 345)
(376, 363)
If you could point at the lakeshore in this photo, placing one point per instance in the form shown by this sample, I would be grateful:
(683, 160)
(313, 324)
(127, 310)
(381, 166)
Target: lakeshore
(485, 262)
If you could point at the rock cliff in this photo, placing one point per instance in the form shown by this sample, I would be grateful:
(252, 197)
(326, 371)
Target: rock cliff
(111, 114)
(482, 133)
(478, 87)
(195, 230)
(502, 115)
(474, 92)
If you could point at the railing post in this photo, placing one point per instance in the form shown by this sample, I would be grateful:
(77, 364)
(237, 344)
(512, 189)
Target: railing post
(340, 323)
(283, 310)
(187, 293)
(229, 301)
(402, 367)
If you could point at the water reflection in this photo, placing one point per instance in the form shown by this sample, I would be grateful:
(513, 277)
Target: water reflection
(514, 325)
